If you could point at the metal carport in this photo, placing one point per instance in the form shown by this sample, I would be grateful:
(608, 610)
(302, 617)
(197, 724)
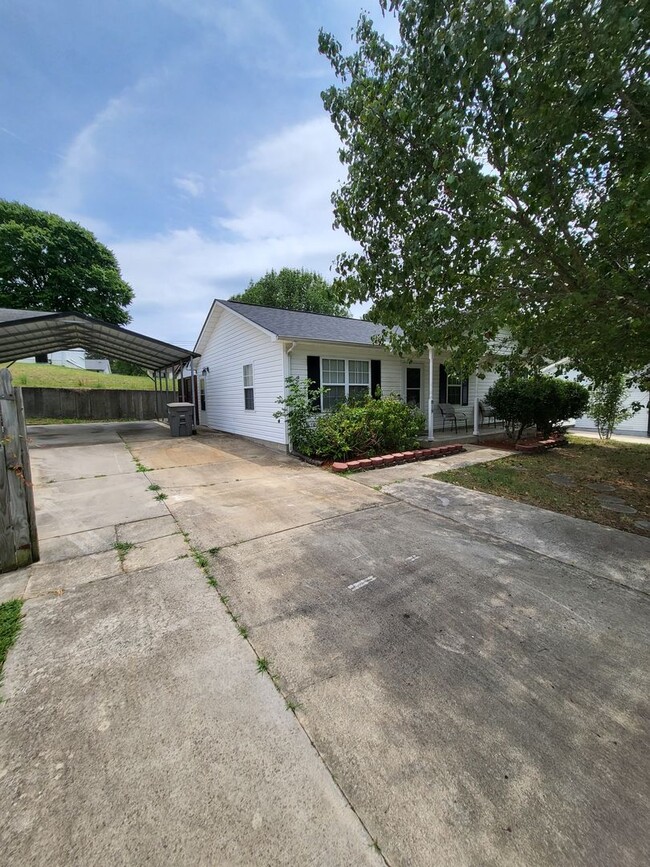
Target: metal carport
(24, 333)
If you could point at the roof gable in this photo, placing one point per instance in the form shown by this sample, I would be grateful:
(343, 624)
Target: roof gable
(297, 325)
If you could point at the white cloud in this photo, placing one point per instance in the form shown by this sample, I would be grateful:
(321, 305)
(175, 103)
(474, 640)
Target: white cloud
(193, 185)
(278, 214)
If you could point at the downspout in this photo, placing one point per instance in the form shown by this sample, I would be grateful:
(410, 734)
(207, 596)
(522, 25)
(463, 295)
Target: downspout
(430, 413)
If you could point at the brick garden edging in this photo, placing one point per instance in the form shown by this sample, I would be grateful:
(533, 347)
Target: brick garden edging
(397, 458)
(541, 445)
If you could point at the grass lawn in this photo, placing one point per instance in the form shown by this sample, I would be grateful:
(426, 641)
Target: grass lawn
(583, 461)
(57, 376)
(9, 627)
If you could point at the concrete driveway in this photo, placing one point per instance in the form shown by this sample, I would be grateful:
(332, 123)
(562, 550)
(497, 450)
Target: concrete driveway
(473, 675)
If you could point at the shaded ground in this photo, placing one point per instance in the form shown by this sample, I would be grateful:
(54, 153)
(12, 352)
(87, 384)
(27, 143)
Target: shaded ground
(604, 482)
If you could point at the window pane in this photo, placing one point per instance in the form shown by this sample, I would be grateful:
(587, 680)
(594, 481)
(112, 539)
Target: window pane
(333, 371)
(413, 377)
(248, 376)
(249, 398)
(453, 393)
(359, 372)
(358, 392)
(413, 396)
(333, 396)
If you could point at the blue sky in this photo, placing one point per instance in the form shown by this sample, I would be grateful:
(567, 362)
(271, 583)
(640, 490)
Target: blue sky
(189, 135)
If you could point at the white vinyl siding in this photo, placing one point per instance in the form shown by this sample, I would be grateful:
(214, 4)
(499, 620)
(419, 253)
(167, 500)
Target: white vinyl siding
(392, 368)
(233, 344)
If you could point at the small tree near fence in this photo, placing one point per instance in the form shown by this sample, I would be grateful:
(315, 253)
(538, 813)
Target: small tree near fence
(540, 401)
(607, 406)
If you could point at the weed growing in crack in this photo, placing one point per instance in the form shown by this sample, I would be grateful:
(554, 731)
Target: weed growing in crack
(123, 549)
(214, 551)
(263, 665)
(160, 496)
(140, 468)
(200, 559)
(153, 487)
(242, 631)
(292, 705)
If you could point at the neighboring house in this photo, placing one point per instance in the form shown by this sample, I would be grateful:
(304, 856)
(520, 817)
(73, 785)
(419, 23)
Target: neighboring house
(247, 351)
(71, 358)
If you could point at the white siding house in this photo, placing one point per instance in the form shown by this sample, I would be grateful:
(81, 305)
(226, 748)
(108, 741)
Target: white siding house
(235, 344)
(247, 351)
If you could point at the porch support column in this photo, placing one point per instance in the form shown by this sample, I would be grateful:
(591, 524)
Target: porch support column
(430, 408)
(476, 414)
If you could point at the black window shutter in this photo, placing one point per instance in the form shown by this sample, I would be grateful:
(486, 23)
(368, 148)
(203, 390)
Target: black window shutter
(375, 376)
(464, 392)
(442, 385)
(313, 373)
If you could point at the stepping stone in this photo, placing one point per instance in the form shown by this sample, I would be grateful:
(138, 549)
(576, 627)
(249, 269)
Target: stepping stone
(561, 479)
(642, 525)
(611, 501)
(600, 487)
(621, 508)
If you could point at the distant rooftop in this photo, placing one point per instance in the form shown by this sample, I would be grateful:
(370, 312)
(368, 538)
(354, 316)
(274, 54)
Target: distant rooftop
(295, 325)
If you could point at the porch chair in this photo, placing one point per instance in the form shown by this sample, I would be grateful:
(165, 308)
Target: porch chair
(452, 415)
(487, 412)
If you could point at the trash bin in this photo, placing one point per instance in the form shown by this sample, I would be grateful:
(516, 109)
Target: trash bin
(181, 419)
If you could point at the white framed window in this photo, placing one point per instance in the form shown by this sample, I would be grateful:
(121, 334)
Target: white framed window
(344, 379)
(454, 391)
(249, 389)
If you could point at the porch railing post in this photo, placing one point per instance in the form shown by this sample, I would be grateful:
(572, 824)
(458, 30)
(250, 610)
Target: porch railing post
(430, 413)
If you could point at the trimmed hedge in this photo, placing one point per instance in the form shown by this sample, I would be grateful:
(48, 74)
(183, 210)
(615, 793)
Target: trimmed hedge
(541, 401)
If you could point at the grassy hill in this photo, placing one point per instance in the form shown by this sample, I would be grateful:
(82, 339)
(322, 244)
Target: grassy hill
(56, 376)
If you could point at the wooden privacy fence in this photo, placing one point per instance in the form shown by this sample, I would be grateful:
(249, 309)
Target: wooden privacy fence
(89, 403)
(18, 539)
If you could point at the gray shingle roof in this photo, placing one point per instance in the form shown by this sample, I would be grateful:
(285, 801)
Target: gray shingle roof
(294, 325)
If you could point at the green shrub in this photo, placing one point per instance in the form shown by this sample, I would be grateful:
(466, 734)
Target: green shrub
(297, 407)
(363, 427)
(540, 401)
(368, 427)
(607, 405)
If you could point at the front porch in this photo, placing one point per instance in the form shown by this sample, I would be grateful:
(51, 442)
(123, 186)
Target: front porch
(484, 432)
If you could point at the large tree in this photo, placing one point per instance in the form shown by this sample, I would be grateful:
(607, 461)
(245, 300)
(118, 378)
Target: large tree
(48, 263)
(498, 176)
(294, 289)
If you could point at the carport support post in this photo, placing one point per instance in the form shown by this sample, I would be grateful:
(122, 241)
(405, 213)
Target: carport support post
(430, 413)
(155, 392)
(193, 392)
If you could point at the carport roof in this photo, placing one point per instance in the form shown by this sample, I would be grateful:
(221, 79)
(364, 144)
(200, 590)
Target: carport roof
(24, 333)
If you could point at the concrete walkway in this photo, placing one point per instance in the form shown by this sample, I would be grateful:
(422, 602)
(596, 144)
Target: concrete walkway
(474, 675)
(136, 728)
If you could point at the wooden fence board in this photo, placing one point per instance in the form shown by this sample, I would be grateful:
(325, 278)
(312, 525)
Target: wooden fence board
(17, 524)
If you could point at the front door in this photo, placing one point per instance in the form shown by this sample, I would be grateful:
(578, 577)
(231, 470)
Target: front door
(414, 386)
